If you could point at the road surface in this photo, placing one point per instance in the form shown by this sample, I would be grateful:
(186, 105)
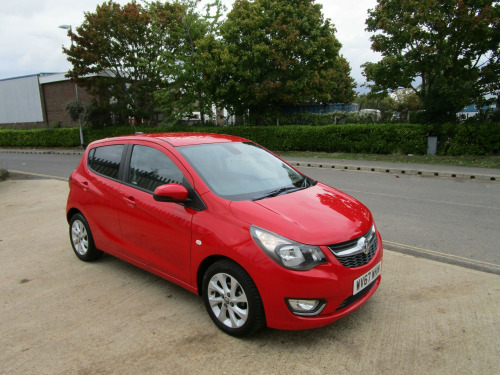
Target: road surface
(451, 220)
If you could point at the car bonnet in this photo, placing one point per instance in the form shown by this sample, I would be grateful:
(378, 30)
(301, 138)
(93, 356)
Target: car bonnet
(318, 215)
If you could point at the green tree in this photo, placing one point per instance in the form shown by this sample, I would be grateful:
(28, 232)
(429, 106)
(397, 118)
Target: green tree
(117, 51)
(276, 52)
(340, 83)
(191, 77)
(447, 51)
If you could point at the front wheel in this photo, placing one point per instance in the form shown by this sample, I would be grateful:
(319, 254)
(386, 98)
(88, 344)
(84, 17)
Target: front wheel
(81, 239)
(232, 299)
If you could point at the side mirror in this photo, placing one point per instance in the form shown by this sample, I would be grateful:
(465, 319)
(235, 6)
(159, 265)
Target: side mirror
(171, 193)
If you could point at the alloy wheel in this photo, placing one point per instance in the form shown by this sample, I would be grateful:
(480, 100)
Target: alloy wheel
(80, 237)
(228, 300)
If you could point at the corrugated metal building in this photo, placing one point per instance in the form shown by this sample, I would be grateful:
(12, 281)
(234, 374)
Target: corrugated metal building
(20, 100)
(38, 100)
(471, 110)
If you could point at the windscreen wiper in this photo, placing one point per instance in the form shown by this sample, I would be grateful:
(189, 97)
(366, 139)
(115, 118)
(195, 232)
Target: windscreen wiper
(280, 191)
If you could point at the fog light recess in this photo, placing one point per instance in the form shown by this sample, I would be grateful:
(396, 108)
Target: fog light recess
(305, 307)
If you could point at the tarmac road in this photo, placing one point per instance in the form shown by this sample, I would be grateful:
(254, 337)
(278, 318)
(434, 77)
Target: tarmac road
(455, 220)
(59, 315)
(55, 165)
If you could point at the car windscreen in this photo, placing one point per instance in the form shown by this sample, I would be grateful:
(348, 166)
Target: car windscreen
(242, 171)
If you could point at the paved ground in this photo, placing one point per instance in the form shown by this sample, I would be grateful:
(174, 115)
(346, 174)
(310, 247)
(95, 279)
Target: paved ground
(59, 315)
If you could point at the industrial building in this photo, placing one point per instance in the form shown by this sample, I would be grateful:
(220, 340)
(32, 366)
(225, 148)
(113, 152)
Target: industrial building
(39, 101)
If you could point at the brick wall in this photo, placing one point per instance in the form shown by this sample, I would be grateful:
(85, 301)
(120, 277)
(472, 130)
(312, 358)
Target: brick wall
(57, 95)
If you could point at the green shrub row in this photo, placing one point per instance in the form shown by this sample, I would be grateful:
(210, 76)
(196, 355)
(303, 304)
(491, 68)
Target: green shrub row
(57, 137)
(467, 138)
(453, 139)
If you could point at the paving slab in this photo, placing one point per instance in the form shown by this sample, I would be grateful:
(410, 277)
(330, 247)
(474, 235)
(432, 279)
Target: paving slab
(59, 315)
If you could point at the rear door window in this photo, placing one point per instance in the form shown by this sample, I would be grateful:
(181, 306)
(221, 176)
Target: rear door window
(105, 160)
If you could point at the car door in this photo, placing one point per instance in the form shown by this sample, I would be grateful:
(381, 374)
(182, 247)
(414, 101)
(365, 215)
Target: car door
(101, 186)
(157, 234)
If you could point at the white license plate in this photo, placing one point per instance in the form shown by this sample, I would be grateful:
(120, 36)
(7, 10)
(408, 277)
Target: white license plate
(363, 281)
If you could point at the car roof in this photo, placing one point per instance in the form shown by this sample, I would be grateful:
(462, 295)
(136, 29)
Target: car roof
(184, 138)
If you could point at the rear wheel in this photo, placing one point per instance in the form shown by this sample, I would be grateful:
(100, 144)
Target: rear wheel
(81, 239)
(232, 299)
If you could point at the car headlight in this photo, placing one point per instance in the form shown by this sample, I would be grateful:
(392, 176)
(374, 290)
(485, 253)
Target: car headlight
(288, 253)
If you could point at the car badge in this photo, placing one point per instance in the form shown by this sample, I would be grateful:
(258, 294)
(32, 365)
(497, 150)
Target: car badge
(366, 248)
(363, 245)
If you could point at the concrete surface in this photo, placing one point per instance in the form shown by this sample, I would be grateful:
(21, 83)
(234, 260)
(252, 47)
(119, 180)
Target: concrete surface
(59, 315)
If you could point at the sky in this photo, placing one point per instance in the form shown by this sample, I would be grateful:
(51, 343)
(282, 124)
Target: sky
(31, 40)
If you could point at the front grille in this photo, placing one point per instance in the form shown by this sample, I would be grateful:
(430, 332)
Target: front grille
(356, 258)
(350, 300)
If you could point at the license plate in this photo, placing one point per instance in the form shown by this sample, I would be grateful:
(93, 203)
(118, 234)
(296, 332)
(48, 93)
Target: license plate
(363, 281)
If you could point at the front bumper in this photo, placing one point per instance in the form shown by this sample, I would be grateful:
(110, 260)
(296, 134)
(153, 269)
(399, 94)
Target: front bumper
(330, 282)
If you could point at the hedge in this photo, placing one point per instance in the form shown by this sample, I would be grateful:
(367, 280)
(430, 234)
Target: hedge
(467, 139)
(453, 139)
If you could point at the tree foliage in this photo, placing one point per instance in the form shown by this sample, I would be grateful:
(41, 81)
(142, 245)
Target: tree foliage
(118, 50)
(169, 56)
(447, 51)
(191, 85)
(275, 52)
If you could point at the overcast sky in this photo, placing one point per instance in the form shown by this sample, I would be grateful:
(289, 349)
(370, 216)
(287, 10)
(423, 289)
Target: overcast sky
(30, 40)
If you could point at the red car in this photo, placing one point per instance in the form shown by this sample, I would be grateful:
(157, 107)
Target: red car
(262, 243)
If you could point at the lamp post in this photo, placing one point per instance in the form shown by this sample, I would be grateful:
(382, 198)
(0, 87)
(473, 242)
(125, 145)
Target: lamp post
(68, 27)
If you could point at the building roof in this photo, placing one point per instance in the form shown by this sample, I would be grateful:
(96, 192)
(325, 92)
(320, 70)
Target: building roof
(29, 76)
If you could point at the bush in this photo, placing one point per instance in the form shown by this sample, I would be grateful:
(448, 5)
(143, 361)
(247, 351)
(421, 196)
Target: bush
(453, 139)
(469, 138)
(58, 137)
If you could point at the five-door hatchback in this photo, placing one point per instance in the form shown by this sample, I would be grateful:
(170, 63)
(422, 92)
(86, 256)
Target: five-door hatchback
(262, 243)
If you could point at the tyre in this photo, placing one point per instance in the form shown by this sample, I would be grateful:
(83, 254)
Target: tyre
(81, 239)
(232, 299)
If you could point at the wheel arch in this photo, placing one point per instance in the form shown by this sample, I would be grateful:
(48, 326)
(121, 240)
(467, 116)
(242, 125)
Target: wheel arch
(205, 264)
(71, 212)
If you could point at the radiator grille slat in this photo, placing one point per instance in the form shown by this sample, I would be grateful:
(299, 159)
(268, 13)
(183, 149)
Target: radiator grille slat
(359, 259)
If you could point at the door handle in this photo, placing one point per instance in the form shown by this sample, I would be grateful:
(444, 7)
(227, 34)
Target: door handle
(130, 201)
(85, 185)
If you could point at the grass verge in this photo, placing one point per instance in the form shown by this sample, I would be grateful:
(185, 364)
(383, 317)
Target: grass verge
(492, 161)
